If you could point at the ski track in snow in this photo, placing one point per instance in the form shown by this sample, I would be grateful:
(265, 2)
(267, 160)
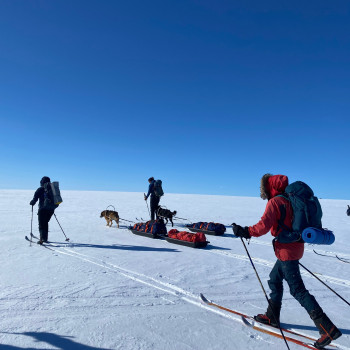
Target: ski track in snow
(128, 294)
(263, 262)
(259, 261)
(306, 249)
(173, 289)
(334, 280)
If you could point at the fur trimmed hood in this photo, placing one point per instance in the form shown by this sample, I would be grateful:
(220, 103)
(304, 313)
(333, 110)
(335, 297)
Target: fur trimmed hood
(272, 185)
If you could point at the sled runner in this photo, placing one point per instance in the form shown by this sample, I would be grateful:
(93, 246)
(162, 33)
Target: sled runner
(186, 243)
(152, 229)
(144, 234)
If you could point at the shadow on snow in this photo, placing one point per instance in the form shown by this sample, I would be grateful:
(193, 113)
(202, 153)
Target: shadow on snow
(116, 246)
(57, 341)
(308, 328)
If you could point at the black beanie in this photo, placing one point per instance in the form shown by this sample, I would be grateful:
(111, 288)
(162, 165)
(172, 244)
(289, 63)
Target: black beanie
(44, 180)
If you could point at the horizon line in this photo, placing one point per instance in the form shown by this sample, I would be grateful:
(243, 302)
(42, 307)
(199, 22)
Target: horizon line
(193, 194)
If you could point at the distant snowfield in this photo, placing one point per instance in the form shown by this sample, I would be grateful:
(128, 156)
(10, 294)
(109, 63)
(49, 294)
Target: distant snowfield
(110, 289)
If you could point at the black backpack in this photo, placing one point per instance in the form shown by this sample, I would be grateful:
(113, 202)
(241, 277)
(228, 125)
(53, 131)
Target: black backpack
(52, 195)
(307, 212)
(158, 190)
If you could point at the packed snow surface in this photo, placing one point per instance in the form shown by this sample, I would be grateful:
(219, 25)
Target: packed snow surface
(110, 289)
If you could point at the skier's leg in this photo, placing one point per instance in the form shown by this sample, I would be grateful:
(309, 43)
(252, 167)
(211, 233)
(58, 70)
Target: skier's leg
(154, 205)
(276, 283)
(297, 288)
(48, 218)
(272, 315)
(328, 330)
(43, 224)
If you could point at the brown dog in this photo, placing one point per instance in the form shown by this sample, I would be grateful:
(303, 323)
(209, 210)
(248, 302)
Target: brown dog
(110, 215)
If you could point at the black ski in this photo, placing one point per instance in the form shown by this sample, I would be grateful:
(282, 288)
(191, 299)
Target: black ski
(29, 240)
(333, 256)
(42, 244)
(343, 260)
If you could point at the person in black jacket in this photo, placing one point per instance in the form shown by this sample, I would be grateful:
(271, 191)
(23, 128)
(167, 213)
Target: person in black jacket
(44, 214)
(154, 201)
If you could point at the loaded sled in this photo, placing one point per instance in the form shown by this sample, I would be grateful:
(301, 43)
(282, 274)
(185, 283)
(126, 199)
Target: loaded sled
(193, 240)
(209, 228)
(151, 229)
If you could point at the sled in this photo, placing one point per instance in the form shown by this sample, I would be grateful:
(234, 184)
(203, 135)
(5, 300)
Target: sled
(187, 243)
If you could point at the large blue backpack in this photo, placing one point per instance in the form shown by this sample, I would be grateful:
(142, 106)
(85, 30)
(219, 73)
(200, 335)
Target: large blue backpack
(307, 212)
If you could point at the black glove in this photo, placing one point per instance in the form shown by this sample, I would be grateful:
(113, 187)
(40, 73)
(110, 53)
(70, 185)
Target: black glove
(240, 231)
(32, 202)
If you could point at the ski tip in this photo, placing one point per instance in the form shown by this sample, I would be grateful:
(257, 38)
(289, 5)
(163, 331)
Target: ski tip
(28, 239)
(246, 322)
(203, 298)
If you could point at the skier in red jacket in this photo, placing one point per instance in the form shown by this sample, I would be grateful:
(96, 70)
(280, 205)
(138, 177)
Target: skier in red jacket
(287, 265)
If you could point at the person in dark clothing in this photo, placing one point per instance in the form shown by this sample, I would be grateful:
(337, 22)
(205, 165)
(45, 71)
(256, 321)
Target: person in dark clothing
(287, 264)
(44, 214)
(154, 201)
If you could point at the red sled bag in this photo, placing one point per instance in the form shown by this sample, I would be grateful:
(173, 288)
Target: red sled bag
(187, 236)
(192, 240)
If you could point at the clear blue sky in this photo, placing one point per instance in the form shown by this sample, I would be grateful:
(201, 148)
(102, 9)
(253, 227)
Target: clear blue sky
(205, 95)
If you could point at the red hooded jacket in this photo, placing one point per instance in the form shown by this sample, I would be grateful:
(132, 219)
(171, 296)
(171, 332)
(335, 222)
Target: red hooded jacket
(269, 221)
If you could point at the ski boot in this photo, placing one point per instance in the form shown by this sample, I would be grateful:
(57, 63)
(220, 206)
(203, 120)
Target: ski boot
(43, 236)
(272, 315)
(328, 330)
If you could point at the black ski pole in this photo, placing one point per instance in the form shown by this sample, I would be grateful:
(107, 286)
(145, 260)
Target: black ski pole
(268, 301)
(67, 239)
(324, 283)
(31, 229)
(148, 207)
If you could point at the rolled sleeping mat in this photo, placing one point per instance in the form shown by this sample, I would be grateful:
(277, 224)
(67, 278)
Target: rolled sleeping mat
(318, 236)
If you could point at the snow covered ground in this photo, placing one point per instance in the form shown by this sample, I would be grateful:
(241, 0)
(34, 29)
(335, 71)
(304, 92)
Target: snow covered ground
(110, 289)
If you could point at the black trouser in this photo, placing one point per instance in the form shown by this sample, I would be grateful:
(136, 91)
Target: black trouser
(154, 205)
(290, 272)
(44, 216)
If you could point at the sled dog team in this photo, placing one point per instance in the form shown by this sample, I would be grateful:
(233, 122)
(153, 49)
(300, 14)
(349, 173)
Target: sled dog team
(280, 218)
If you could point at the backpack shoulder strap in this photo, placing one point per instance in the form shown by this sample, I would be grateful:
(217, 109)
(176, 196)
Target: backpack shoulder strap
(283, 211)
(283, 195)
(281, 224)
